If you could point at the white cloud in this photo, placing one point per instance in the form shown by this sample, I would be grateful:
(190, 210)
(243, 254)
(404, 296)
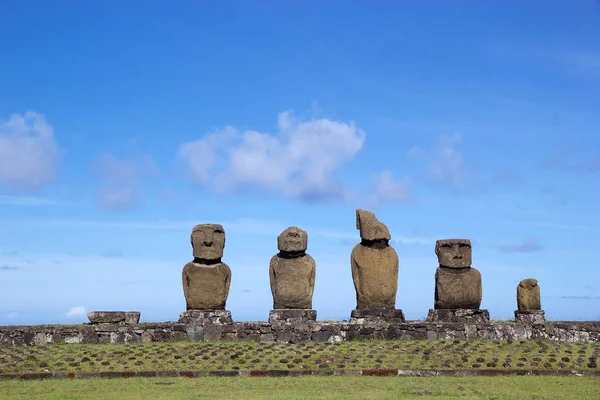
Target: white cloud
(12, 315)
(298, 161)
(386, 189)
(122, 180)
(76, 311)
(29, 154)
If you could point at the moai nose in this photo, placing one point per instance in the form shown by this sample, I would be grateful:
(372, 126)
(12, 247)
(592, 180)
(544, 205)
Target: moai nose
(208, 243)
(456, 253)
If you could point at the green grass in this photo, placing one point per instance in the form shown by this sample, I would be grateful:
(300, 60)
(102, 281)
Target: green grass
(351, 355)
(308, 387)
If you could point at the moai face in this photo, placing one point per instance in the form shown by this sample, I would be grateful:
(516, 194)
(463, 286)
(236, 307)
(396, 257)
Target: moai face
(453, 253)
(370, 227)
(292, 240)
(208, 241)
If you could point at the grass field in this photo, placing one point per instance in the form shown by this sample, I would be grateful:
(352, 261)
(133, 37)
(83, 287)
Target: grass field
(246, 355)
(308, 387)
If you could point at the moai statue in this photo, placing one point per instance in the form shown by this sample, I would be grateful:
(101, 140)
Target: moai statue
(206, 279)
(292, 277)
(374, 271)
(458, 289)
(528, 303)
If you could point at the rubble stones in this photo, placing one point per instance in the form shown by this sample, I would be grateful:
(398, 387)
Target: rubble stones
(114, 317)
(459, 315)
(530, 317)
(317, 331)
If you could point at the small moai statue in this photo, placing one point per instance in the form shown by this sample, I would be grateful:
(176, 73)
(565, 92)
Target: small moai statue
(529, 306)
(206, 279)
(292, 278)
(374, 271)
(458, 290)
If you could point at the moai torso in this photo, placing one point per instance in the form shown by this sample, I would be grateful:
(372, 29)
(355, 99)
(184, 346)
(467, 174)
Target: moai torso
(528, 295)
(206, 280)
(374, 264)
(292, 271)
(457, 284)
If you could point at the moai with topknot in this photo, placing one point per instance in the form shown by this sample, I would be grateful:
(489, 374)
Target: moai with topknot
(374, 266)
(292, 278)
(458, 290)
(529, 306)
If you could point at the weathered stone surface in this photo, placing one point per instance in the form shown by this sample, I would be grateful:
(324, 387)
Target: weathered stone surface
(292, 316)
(208, 241)
(470, 316)
(454, 253)
(530, 316)
(206, 279)
(292, 271)
(374, 264)
(202, 317)
(368, 315)
(114, 317)
(528, 295)
(473, 325)
(457, 288)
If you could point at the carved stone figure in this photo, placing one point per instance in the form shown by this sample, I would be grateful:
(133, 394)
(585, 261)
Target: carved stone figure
(206, 279)
(374, 264)
(457, 284)
(528, 295)
(292, 271)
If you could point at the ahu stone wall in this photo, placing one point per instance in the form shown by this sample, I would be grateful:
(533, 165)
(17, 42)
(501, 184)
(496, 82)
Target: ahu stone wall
(294, 332)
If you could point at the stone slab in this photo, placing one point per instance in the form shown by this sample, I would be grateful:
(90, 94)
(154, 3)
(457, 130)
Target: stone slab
(459, 315)
(292, 315)
(202, 317)
(363, 315)
(530, 317)
(114, 317)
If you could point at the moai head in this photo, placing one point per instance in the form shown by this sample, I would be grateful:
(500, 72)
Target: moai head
(453, 253)
(208, 241)
(528, 283)
(292, 240)
(370, 227)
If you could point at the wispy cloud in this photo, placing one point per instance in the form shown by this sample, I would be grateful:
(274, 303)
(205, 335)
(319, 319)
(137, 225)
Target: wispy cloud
(8, 268)
(446, 166)
(580, 297)
(32, 201)
(122, 180)
(76, 311)
(29, 153)
(529, 244)
(299, 161)
(561, 161)
(506, 176)
(385, 188)
(12, 315)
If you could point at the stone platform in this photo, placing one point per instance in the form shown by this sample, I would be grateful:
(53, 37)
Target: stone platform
(203, 317)
(459, 315)
(375, 315)
(530, 317)
(114, 317)
(292, 315)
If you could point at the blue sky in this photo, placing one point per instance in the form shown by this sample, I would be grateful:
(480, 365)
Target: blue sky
(123, 125)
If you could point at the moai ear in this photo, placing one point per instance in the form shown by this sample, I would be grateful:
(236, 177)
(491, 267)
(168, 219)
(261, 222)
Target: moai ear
(358, 219)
